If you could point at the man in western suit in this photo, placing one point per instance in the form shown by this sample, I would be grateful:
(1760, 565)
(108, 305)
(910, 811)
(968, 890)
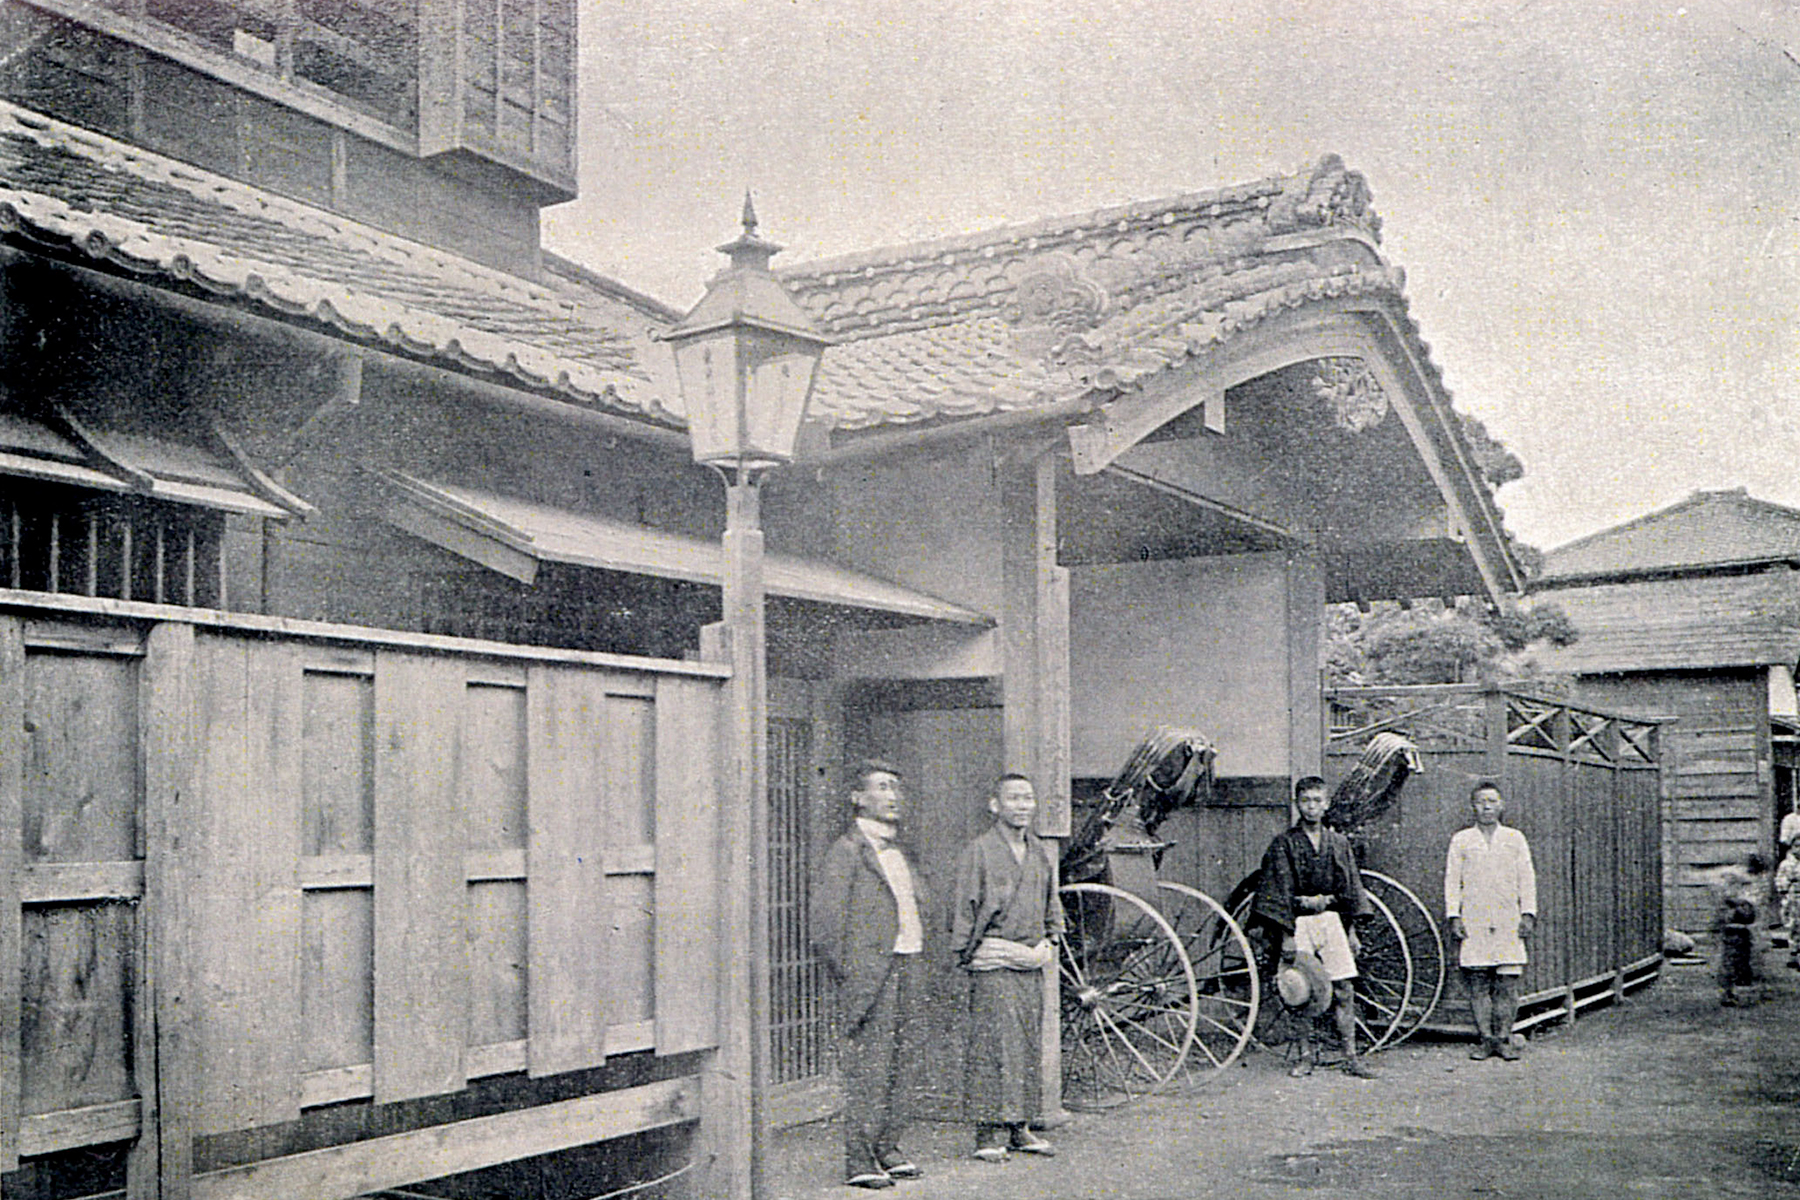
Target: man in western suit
(866, 928)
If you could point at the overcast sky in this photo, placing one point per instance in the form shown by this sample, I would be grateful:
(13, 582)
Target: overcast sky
(1596, 204)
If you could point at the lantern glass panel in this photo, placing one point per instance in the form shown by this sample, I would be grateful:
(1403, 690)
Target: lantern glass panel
(746, 391)
(709, 389)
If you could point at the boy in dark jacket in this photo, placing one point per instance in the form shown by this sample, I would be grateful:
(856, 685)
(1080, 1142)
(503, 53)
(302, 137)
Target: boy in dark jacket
(1309, 888)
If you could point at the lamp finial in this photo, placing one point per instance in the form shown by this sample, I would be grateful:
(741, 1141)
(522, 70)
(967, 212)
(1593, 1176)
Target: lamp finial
(749, 252)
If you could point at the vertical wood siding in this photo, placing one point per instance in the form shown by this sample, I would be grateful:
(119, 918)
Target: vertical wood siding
(251, 874)
(12, 775)
(247, 885)
(568, 883)
(1582, 786)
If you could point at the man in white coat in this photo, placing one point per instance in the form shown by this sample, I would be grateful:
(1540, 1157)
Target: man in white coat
(1490, 896)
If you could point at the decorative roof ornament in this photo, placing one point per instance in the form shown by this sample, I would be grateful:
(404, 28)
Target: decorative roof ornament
(1054, 304)
(1330, 195)
(1352, 392)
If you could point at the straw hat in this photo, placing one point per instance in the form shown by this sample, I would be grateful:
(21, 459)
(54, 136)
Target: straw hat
(1305, 986)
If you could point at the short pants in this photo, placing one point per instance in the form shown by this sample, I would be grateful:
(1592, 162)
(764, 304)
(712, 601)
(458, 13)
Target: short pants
(1322, 935)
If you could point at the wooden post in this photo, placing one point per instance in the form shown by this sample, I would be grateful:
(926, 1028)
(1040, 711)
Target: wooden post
(734, 1087)
(162, 1161)
(1497, 731)
(12, 787)
(1034, 627)
(1305, 592)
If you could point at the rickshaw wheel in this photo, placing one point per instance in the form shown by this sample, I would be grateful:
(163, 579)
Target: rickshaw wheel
(1384, 978)
(1128, 998)
(1224, 979)
(1423, 941)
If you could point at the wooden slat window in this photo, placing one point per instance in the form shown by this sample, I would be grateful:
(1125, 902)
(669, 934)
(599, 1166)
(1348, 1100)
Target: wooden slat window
(512, 65)
(800, 1047)
(126, 548)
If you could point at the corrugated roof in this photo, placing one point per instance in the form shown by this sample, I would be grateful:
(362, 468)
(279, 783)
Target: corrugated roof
(1029, 315)
(1706, 529)
(1688, 623)
(152, 215)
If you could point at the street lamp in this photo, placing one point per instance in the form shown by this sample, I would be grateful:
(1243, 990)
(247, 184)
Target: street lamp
(746, 356)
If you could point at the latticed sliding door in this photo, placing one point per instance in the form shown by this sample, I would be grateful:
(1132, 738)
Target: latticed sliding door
(800, 1047)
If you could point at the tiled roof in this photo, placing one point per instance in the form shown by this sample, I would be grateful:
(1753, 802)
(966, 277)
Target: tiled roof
(1020, 317)
(1697, 622)
(1028, 315)
(154, 216)
(1706, 529)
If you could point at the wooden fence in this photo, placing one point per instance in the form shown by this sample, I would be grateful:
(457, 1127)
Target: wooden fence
(260, 866)
(1583, 785)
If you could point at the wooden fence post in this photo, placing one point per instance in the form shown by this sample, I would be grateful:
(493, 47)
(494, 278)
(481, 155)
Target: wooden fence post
(12, 818)
(1496, 731)
(162, 1161)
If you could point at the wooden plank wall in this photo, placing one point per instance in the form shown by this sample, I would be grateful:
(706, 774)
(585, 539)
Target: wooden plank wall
(1717, 809)
(1595, 864)
(259, 874)
(1219, 846)
(1594, 831)
(1719, 802)
(80, 878)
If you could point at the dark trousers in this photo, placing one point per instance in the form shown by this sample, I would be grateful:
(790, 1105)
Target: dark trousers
(874, 1058)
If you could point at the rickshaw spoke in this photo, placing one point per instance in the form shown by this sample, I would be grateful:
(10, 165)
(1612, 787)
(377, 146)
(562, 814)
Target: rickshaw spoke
(1128, 1044)
(1119, 1019)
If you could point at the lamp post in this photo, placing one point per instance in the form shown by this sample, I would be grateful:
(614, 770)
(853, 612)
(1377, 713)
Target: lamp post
(746, 356)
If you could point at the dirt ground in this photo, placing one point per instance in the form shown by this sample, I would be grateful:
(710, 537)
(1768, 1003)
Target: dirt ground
(1666, 1096)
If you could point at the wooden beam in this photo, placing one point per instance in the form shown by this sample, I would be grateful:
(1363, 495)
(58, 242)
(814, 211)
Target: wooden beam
(726, 1141)
(459, 538)
(99, 457)
(1211, 505)
(256, 624)
(1125, 422)
(12, 789)
(377, 1164)
(1050, 755)
(93, 1125)
(65, 882)
(261, 485)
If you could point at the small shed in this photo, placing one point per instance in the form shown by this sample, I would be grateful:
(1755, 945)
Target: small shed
(1693, 613)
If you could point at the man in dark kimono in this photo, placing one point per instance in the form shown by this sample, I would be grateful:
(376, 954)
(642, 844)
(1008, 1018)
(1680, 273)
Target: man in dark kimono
(1310, 890)
(866, 928)
(1004, 918)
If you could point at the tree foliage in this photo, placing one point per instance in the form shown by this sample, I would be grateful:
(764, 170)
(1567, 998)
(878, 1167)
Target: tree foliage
(1432, 643)
(1496, 463)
